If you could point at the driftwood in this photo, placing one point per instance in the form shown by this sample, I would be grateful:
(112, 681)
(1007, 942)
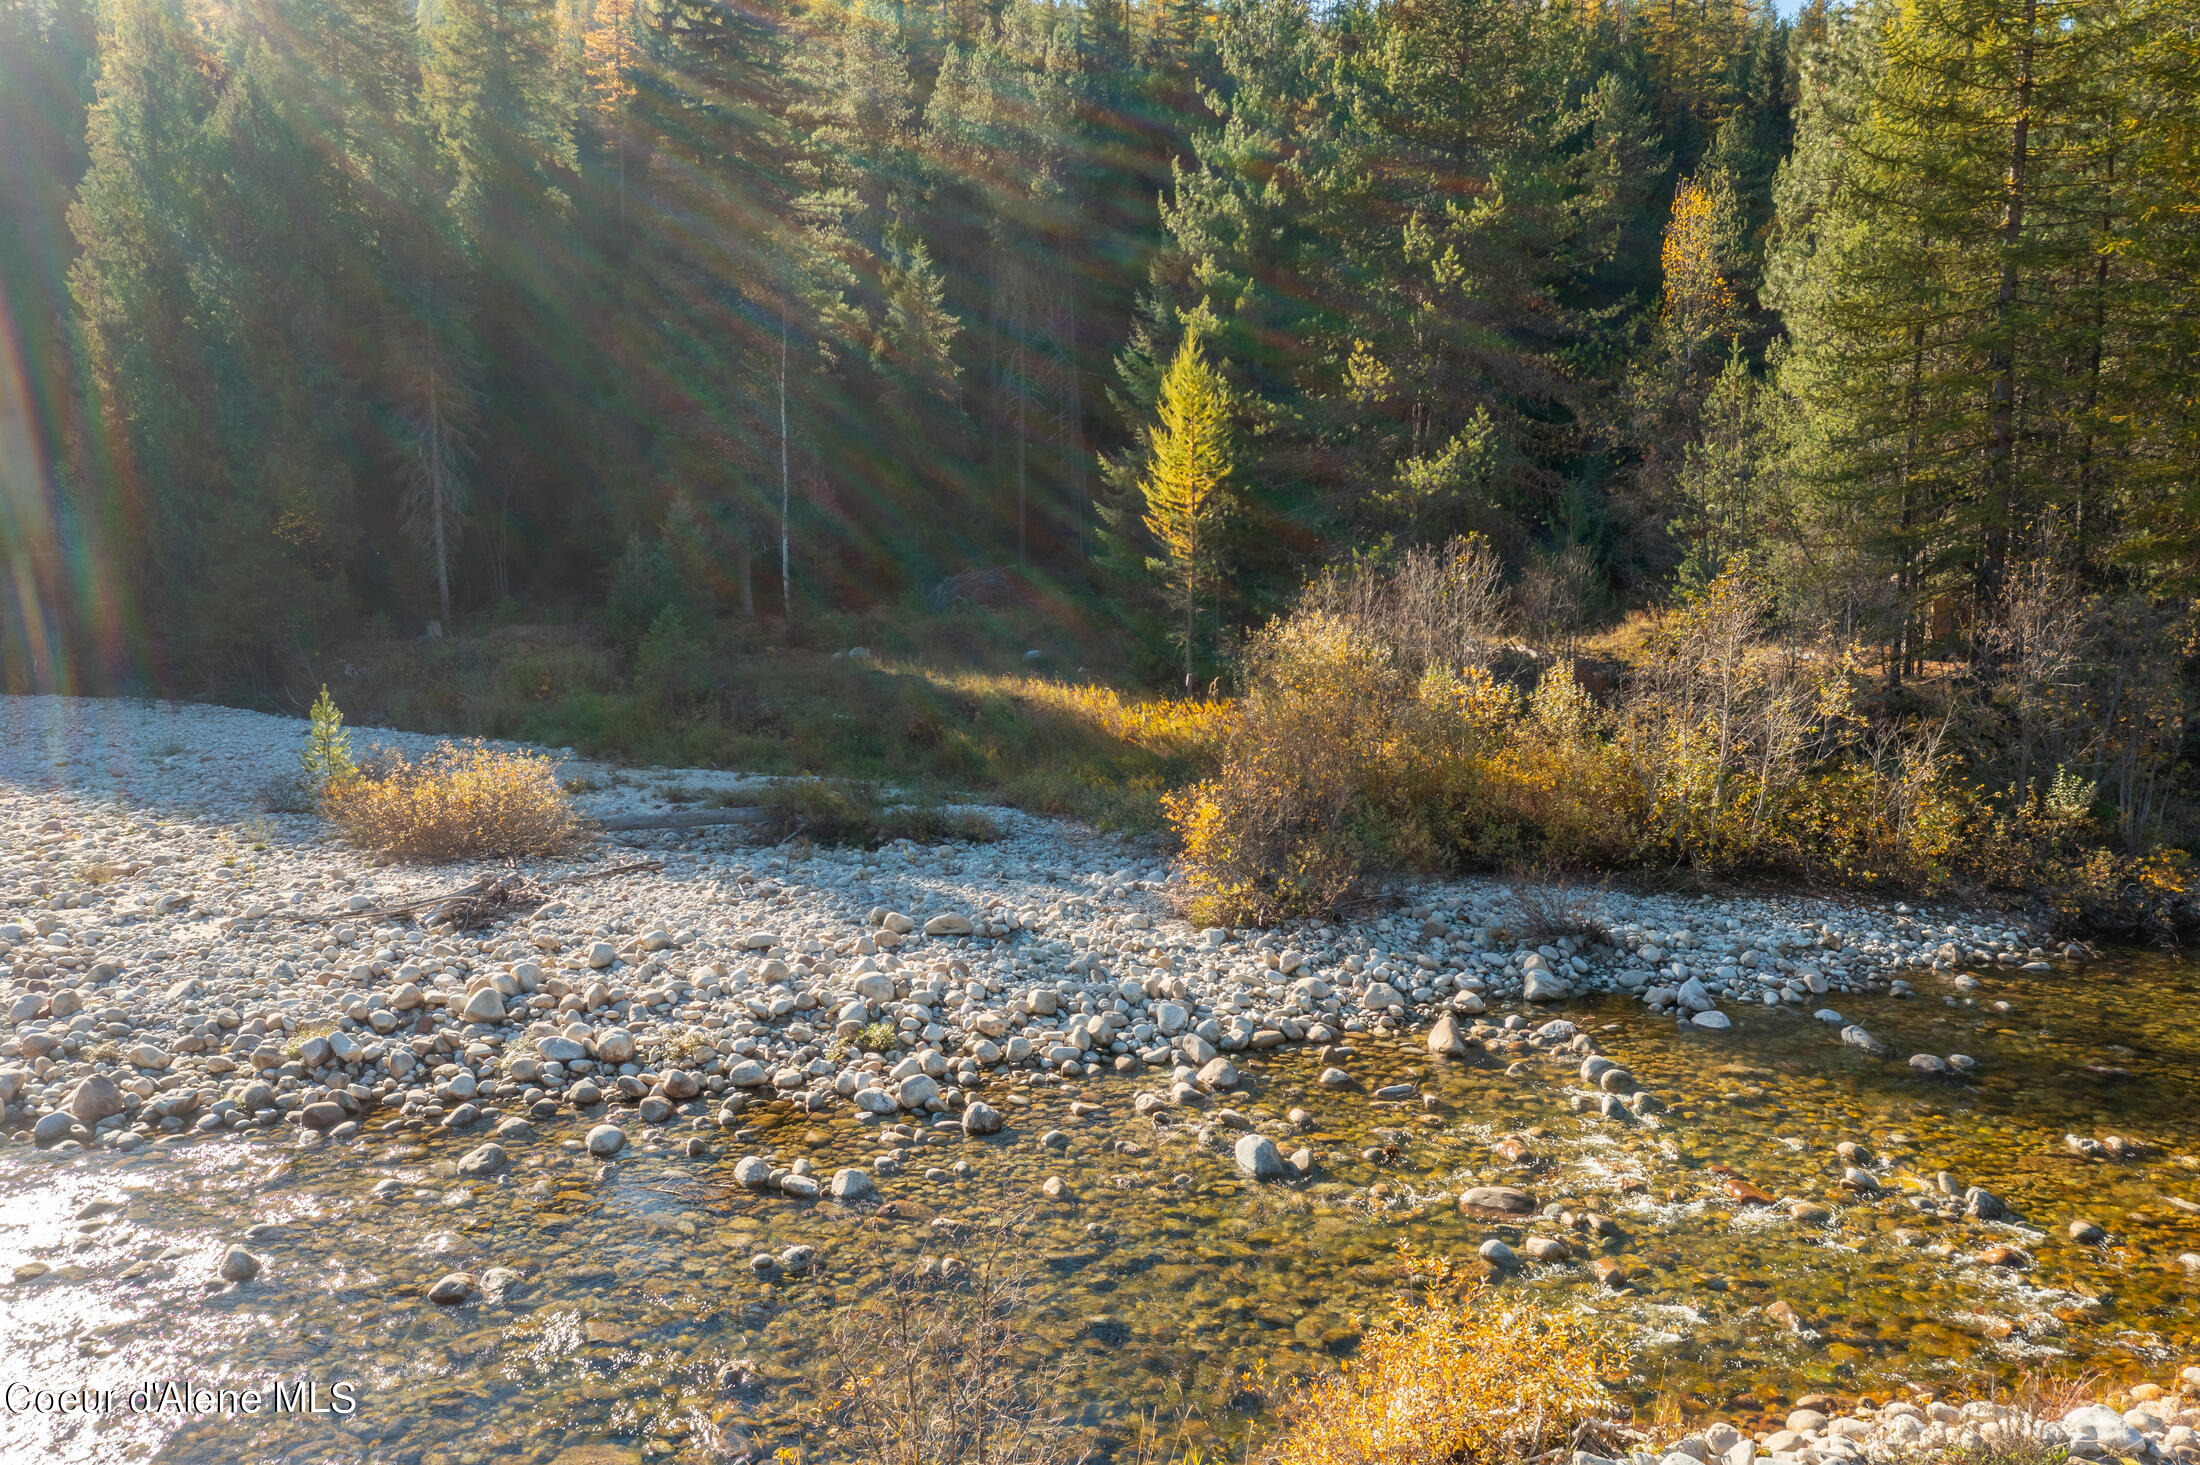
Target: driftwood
(491, 895)
(699, 819)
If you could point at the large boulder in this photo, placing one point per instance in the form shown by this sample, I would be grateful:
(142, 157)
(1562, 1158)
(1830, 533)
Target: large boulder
(1257, 1157)
(1444, 1038)
(483, 1161)
(94, 1098)
(1496, 1200)
(2104, 1428)
(483, 1004)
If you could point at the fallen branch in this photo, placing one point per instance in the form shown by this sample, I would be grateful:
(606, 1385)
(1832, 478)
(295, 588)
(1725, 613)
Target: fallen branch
(508, 891)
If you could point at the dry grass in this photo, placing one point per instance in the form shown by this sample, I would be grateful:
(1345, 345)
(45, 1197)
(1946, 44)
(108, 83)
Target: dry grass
(1545, 905)
(1460, 1376)
(464, 801)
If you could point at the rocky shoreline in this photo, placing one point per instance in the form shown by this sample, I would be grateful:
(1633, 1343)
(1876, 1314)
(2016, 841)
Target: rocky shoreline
(2148, 1422)
(180, 963)
(181, 966)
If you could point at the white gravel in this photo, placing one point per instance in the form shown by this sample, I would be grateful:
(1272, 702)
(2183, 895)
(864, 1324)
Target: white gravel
(149, 935)
(2149, 1422)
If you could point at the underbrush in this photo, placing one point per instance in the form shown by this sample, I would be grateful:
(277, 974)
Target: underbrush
(1360, 751)
(459, 803)
(1457, 1376)
(711, 699)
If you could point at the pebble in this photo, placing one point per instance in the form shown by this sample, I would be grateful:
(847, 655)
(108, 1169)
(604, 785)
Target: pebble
(239, 1265)
(453, 1289)
(606, 1140)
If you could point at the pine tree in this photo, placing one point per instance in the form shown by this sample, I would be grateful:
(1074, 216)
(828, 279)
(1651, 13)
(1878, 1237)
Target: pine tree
(1935, 262)
(139, 219)
(1186, 480)
(494, 324)
(326, 757)
(1726, 502)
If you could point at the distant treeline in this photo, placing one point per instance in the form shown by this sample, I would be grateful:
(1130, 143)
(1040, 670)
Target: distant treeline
(328, 309)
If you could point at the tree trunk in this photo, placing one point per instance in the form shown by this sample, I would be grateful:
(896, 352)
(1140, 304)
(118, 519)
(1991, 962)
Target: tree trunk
(786, 574)
(2001, 451)
(1191, 609)
(744, 574)
(1023, 492)
(1905, 574)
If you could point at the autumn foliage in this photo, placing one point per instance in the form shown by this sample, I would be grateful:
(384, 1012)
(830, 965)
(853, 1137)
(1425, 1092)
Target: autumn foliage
(461, 802)
(1457, 1376)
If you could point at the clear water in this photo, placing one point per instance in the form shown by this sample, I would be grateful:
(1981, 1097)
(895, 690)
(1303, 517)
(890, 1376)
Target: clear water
(639, 1328)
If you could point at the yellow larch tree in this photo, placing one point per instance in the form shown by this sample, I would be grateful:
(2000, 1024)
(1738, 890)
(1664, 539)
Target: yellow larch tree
(1185, 479)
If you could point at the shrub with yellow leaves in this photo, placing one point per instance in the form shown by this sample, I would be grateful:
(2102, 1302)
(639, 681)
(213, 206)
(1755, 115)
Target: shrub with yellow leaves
(1457, 1376)
(461, 802)
(1363, 746)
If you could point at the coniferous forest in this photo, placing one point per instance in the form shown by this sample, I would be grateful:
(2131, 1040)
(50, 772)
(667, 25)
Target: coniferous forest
(324, 310)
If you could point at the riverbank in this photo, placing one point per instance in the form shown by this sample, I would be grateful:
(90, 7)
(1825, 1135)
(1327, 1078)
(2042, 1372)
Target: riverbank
(227, 937)
(1224, 1134)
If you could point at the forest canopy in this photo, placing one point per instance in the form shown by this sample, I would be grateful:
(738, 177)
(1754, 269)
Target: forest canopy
(328, 310)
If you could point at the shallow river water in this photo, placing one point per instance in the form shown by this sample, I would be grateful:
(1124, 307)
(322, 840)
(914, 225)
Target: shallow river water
(639, 1333)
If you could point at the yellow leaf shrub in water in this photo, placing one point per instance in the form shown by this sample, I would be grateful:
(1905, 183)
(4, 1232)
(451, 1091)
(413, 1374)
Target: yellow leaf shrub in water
(461, 802)
(1455, 1377)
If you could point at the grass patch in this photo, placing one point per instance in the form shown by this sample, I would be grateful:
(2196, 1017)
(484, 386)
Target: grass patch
(459, 803)
(1031, 740)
